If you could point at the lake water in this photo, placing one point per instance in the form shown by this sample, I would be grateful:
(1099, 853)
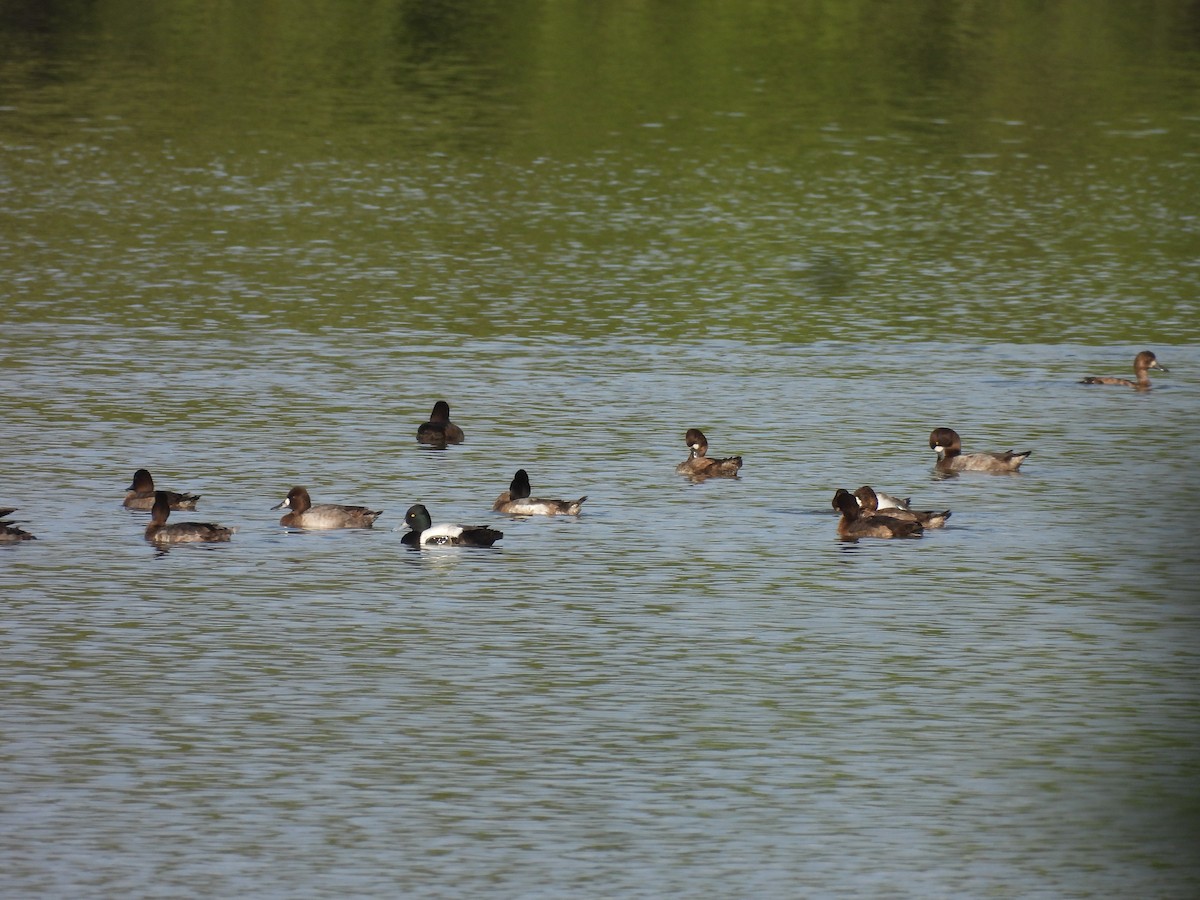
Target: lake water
(248, 252)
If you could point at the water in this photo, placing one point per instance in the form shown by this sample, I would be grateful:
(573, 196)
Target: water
(691, 689)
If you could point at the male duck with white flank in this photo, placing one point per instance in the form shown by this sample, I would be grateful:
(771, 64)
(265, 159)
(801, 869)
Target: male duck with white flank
(160, 532)
(439, 430)
(857, 523)
(425, 534)
(948, 445)
(141, 494)
(517, 502)
(1142, 364)
(699, 465)
(324, 515)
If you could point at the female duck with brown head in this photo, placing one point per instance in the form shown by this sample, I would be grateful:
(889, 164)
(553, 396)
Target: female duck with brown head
(948, 445)
(699, 465)
(141, 494)
(1142, 364)
(857, 523)
(868, 499)
(160, 532)
(324, 515)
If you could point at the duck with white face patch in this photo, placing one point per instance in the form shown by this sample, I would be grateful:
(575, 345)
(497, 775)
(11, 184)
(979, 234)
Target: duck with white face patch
(699, 465)
(948, 446)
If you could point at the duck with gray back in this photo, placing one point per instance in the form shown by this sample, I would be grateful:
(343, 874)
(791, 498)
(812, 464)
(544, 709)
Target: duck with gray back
(324, 515)
(948, 446)
(517, 502)
(857, 523)
(425, 534)
(141, 494)
(159, 532)
(1142, 364)
(699, 465)
(439, 430)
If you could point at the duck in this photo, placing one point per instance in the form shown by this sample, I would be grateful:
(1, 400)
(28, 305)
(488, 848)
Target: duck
(699, 465)
(439, 430)
(1142, 363)
(857, 523)
(948, 445)
(324, 515)
(868, 500)
(886, 501)
(9, 531)
(160, 532)
(424, 533)
(517, 502)
(141, 494)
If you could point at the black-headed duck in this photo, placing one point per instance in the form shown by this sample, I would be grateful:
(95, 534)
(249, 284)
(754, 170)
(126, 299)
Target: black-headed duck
(699, 465)
(856, 522)
(868, 500)
(948, 445)
(425, 534)
(1142, 364)
(324, 515)
(517, 502)
(439, 430)
(160, 532)
(141, 494)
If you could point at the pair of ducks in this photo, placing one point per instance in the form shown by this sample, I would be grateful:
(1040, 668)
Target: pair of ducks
(516, 501)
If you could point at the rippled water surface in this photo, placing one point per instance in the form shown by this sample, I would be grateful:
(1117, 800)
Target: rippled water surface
(590, 230)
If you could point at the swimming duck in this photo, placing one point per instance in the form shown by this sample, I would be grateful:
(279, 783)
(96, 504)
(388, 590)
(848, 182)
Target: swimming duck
(1142, 363)
(160, 532)
(141, 494)
(868, 499)
(439, 430)
(517, 502)
(698, 465)
(424, 533)
(324, 515)
(951, 458)
(9, 532)
(857, 523)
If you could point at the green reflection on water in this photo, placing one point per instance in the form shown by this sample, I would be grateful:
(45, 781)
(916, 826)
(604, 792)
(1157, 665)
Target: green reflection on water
(793, 171)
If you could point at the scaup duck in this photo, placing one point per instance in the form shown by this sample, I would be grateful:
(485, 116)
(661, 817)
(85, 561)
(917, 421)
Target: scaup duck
(439, 430)
(424, 533)
(324, 515)
(868, 499)
(141, 494)
(9, 531)
(698, 465)
(160, 532)
(856, 523)
(948, 445)
(517, 502)
(1142, 363)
